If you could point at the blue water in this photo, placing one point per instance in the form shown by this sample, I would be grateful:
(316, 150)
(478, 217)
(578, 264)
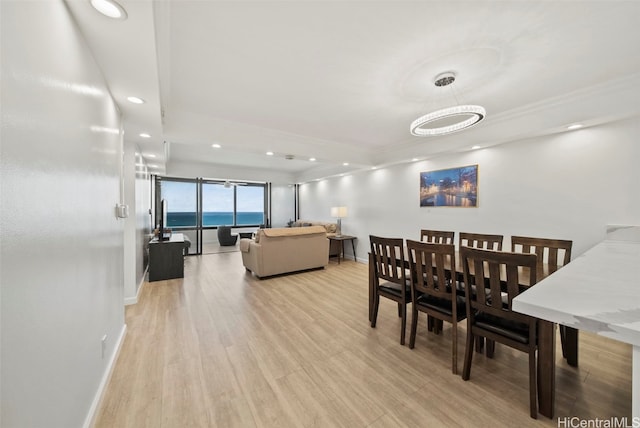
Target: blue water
(176, 219)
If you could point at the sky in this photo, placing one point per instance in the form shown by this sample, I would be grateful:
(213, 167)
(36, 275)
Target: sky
(181, 197)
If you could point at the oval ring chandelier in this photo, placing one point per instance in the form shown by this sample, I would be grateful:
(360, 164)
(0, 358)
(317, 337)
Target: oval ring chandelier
(474, 114)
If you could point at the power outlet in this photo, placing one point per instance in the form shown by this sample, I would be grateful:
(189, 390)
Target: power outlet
(104, 345)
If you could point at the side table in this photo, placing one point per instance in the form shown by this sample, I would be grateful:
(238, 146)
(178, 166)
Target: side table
(341, 239)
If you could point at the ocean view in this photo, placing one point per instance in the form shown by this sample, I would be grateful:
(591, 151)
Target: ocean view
(176, 219)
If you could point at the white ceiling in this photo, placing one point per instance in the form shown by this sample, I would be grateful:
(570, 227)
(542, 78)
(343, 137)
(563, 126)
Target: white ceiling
(341, 81)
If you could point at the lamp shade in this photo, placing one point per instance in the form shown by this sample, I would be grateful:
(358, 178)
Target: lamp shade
(339, 212)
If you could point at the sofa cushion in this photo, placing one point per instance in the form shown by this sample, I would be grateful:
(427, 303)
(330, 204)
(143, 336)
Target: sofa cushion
(329, 227)
(291, 231)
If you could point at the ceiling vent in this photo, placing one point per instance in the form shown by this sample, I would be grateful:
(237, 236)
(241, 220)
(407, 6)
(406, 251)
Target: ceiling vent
(288, 157)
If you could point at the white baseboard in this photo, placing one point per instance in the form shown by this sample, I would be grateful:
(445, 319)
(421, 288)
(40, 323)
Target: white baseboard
(97, 400)
(133, 300)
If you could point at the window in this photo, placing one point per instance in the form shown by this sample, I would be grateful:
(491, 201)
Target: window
(249, 205)
(217, 205)
(232, 205)
(181, 197)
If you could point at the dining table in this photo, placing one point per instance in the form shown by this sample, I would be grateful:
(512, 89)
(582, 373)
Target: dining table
(599, 291)
(546, 331)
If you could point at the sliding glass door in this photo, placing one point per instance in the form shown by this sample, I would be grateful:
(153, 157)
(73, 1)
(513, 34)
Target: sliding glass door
(196, 207)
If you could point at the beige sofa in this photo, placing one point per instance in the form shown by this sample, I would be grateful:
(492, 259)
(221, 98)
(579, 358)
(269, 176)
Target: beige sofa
(331, 228)
(283, 250)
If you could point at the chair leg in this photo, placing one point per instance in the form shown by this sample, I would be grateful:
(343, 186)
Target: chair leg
(468, 355)
(479, 344)
(454, 346)
(491, 347)
(533, 393)
(437, 325)
(374, 314)
(414, 327)
(403, 324)
(429, 323)
(399, 309)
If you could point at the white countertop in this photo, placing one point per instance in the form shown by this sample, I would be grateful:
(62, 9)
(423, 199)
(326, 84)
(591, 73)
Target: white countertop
(598, 291)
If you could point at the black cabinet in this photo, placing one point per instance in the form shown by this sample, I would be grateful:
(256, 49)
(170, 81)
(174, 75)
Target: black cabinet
(166, 258)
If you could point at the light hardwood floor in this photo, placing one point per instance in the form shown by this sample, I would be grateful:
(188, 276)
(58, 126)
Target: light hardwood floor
(224, 349)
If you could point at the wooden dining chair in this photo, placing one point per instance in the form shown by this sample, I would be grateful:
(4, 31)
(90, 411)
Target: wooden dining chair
(437, 236)
(488, 242)
(552, 254)
(390, 277)
(490, 315)
(433, 289)
(481, 240)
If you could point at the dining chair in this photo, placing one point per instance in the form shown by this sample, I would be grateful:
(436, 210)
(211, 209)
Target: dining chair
(390, 277)
(490, 315)
(552, 254)
(437, 236)
(481, 240)
(433, 289)
(489, 242)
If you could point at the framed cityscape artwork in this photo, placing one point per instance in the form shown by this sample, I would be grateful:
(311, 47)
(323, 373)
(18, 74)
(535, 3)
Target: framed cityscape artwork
(454, 187)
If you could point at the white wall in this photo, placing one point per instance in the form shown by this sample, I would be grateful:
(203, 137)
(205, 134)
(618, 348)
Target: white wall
(129, 253)
(142, 217)
(137, 227)
(62, 246)
(567, 185)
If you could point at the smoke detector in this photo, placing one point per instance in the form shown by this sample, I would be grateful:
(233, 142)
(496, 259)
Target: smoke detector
(288, 157)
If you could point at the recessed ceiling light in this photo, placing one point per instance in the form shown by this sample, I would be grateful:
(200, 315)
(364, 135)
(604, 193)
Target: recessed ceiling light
(145, 135)
(374, 167)
(269, 153)
(575, 126)
(414, 159)
(152, 165)
(109, 8)
(135, 100)
(149, 155)
(475, 147)
(216, 146)
(346, 164)
(312, 159)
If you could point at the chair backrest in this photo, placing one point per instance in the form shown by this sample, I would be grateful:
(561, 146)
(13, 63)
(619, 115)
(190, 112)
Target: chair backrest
(431, 266)
(388, 255)
(481, 240)
(437, 236)
(224, 232)
(500, 272)
(553, 252)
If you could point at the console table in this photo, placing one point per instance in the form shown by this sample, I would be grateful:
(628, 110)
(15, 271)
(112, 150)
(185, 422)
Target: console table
(341, 239)
(166, 258)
